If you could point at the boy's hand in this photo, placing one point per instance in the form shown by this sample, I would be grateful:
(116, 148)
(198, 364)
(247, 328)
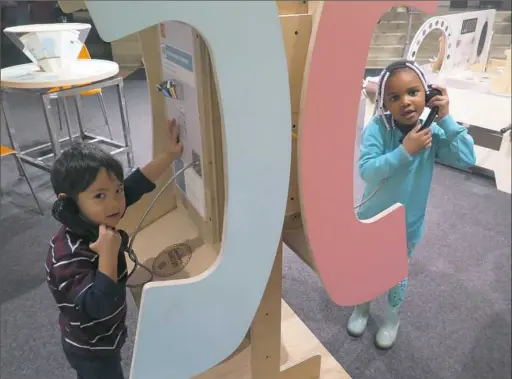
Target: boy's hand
(156, 168)
(108, 243)
(443, 102)
(416, 140)
(175, 146)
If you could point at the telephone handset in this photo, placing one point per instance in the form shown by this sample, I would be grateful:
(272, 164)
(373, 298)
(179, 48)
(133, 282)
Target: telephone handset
(429, 95)
(66, 211)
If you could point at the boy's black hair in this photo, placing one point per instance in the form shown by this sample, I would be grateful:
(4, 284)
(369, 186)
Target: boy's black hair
(77, 167)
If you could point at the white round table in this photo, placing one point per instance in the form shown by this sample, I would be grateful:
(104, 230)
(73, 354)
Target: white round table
(81, 76)
(83, 71)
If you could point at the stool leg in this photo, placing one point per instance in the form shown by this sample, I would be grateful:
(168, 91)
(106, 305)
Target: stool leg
(79, 115)
(29, 184)
(10, 131)
(125, 124)
(66, 118)
(50, 126)
(59, 114)
(104, 111)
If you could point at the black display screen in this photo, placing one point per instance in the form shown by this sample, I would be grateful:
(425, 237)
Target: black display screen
(469, 25)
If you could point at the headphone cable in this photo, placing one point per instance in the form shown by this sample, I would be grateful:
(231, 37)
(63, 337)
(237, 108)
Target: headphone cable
(129, 249)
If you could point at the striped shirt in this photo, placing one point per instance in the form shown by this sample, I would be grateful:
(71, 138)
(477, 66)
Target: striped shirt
(92, 307)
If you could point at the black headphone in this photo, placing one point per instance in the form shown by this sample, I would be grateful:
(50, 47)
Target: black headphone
(65, 210)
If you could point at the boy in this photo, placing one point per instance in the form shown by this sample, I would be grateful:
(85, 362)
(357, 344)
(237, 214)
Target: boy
(87, 278)
(397, 161)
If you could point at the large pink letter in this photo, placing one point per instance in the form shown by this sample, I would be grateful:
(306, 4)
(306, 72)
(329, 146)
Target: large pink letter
(355, 260)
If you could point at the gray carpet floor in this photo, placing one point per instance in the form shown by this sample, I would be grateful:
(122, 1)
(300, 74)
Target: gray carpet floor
(456, 321)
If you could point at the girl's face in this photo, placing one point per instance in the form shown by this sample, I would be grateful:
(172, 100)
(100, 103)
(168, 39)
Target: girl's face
(404, 96)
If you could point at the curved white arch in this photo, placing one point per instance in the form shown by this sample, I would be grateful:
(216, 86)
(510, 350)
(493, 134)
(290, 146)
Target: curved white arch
(188, 326)
(435, 23)
(462, 46)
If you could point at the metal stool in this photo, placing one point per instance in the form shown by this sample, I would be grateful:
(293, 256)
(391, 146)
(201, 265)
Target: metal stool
(60, 94)
(6, 151)
(84, 54)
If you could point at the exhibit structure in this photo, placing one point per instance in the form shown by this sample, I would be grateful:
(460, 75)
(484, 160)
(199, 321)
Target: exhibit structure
(214, 241)
(479, 97)
(473, 90)
(467, 39)
(214, 315)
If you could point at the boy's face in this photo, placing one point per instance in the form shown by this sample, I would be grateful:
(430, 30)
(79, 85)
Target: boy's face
(404, 96)
(103, 202)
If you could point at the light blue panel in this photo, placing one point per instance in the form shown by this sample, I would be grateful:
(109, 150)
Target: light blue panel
(186, 327)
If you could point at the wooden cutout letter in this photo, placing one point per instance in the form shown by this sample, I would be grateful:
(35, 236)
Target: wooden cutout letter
(188, 326)
(356, 260)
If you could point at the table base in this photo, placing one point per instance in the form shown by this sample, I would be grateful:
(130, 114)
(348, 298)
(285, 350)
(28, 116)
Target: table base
(51, 125)
(39, 162)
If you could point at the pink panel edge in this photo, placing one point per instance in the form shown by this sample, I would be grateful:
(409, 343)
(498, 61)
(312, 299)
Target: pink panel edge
(348, 253)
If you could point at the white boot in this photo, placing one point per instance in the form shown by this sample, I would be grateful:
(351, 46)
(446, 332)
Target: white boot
(386, 336)
(358, 319)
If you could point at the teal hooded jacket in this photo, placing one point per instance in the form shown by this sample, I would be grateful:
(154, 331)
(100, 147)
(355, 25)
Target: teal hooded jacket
(403, 178)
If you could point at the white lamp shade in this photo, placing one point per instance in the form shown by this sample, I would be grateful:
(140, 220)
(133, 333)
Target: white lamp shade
(53, 47)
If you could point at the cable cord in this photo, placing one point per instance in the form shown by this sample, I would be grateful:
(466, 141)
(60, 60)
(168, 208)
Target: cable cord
(371, 195)
(129, 250)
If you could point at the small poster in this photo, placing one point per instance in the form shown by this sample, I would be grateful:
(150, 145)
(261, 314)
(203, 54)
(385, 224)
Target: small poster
(178, 86)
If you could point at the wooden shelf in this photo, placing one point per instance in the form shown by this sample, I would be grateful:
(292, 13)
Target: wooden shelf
(174, 227)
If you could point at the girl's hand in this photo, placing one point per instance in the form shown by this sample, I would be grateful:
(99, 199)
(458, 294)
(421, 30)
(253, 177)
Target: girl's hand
(416, 140)
(443, 102)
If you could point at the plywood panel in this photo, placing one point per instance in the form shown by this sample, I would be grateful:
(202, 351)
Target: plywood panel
(158, 127)
(297, 341)
(212, 145)
(296, 31)
(314, 6)
(127, 51)
(293, 206)
(250, 238)
(218, 159)
(296, 240)
(173, 228)
(292, 7)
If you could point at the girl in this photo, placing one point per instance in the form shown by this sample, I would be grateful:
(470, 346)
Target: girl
(397, 163)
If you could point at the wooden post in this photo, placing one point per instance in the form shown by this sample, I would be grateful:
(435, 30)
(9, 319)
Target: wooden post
(265, 335)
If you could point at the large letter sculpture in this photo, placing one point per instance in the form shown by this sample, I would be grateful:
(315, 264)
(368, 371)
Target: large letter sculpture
(188, 326)
(355, 260)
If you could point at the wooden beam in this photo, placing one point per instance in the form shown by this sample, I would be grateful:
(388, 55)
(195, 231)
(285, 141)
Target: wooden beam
(292, 7)
(296, 30)
(266, 336)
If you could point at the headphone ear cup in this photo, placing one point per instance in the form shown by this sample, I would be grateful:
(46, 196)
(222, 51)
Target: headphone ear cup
(430, 93)
(63, 207)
